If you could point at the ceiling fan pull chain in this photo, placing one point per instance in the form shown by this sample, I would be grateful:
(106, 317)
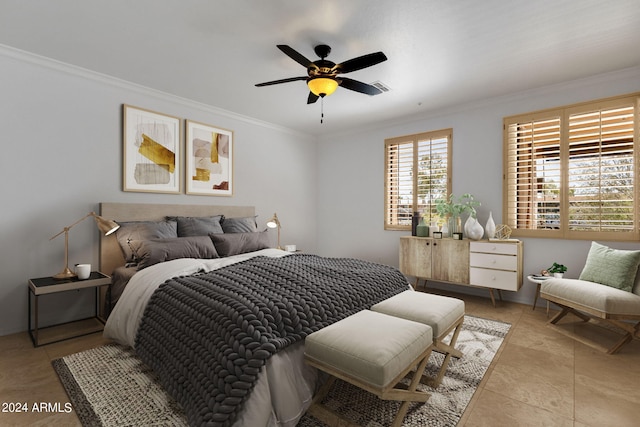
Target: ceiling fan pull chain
(322, 110)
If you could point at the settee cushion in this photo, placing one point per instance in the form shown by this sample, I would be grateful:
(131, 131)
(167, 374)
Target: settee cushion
(592, 295)
(612, 267)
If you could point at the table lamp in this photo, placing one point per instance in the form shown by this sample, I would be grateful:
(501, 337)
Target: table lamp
(106, 226)
(274, 222)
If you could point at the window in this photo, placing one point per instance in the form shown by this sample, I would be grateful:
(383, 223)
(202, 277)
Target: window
(571, 172)
(417, 173)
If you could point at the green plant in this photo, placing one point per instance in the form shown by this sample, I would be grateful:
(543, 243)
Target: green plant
(557, 268)
(456, 206)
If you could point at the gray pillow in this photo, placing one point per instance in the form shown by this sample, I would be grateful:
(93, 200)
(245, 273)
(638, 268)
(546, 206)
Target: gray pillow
(197, 226)
(150, 252)
(612, 267)
(239, 243)
(143, 230)
(240, 225)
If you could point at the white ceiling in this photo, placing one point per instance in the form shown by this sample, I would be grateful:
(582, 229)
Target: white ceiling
(441, 52)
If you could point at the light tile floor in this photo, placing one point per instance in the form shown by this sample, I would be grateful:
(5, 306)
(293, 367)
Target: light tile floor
(538, 378)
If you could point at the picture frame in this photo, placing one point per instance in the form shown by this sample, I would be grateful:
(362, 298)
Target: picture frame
(437, 234)
(151, 152)
(209, 160)
(457, 236)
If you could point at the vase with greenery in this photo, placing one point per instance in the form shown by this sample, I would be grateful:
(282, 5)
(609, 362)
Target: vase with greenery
(453, 207)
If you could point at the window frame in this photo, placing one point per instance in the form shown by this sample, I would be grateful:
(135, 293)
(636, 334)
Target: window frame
(510, 201)
(415, 140)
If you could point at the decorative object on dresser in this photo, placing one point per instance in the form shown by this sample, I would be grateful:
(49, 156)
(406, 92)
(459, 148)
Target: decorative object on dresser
(452, 208)
(106, 227)
(473, 229)
(485, 264)
(209, 160)
(274, 222)
(503, 232)
(490, 227)
(151, 151)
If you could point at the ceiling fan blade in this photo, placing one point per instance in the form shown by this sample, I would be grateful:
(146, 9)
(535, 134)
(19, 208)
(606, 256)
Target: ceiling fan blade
(358, 86)
(275, 82)
(296, 56)
(360, 62)
(312, 98)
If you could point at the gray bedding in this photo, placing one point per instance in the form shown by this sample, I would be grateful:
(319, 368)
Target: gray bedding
(208, 335)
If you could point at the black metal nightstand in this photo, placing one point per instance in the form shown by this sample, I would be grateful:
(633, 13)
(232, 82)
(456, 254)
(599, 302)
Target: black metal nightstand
(59, 332)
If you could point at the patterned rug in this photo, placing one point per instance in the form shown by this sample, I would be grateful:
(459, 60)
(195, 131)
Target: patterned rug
(110, 386)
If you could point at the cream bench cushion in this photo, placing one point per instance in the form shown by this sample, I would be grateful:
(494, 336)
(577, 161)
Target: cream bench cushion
(594, 296)
(437, 311)
(372, 347)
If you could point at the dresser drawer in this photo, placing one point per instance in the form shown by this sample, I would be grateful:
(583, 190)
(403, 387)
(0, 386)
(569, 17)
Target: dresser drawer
(499, 262)
(496, 279)
(494, 248)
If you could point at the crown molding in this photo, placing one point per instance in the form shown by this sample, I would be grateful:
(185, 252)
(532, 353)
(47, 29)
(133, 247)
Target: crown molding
(73, 70)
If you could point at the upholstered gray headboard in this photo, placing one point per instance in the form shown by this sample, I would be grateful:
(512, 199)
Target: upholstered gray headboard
(110, 252)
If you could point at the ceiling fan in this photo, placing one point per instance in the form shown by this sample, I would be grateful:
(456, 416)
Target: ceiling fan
(322, 75)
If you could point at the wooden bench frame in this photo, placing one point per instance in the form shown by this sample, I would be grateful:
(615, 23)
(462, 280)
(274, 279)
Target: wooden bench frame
(391, 391)
(448, 350)
(598, 317)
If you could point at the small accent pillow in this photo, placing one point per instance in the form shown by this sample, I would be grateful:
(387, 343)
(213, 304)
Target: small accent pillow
(239, 243)
(150, 252)
(612, 267)
(197, 226)
(143, 230)
(240, 225)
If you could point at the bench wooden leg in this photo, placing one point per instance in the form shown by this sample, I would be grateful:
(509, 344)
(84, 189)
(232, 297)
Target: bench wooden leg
(448, 350)
(392, 392)
(630, 329)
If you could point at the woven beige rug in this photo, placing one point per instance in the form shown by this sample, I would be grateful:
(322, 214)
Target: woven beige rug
(110, 386)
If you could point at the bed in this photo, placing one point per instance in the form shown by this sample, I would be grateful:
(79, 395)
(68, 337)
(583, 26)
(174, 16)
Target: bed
(225, 333)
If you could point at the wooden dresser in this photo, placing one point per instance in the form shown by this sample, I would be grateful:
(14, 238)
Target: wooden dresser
(483, 263)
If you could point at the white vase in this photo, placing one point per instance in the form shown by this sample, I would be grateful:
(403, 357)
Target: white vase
(472, 228)
(490, 228)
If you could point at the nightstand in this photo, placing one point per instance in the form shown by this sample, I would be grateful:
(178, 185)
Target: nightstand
(49, 285)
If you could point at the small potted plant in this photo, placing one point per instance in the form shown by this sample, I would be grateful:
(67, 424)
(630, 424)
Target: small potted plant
(557, 270)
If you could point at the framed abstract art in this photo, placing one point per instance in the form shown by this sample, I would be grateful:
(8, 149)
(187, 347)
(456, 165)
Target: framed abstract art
(151, 151)
(209, 160)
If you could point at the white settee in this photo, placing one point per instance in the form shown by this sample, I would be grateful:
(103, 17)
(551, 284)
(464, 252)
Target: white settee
(608, 291)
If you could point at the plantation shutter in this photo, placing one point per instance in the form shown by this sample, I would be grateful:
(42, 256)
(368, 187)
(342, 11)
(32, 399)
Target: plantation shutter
(416, 175)
(601, 169)
(534, 171)
(571, 172)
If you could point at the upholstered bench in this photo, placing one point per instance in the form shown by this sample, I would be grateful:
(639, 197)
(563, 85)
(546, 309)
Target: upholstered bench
(372, 351)
(443, 314)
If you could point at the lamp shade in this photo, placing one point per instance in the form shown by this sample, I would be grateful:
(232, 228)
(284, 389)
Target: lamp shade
(322, 86)
(106, 226)
(273, 222)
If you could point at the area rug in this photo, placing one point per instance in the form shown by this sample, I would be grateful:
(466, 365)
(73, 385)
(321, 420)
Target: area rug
(110, 386)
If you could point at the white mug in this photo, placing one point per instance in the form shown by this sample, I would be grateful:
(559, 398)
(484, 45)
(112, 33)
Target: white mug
(83, 271)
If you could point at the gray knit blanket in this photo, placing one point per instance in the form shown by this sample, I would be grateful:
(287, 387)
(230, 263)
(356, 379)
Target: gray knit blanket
(208, 335)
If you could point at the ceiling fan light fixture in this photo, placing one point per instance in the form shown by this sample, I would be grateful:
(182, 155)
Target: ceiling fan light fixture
(322, 86)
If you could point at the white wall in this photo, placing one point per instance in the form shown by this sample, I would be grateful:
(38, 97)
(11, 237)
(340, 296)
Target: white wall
(61, 141)
(350, 176)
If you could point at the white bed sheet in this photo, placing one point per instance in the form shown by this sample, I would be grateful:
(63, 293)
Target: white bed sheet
(286, 385)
